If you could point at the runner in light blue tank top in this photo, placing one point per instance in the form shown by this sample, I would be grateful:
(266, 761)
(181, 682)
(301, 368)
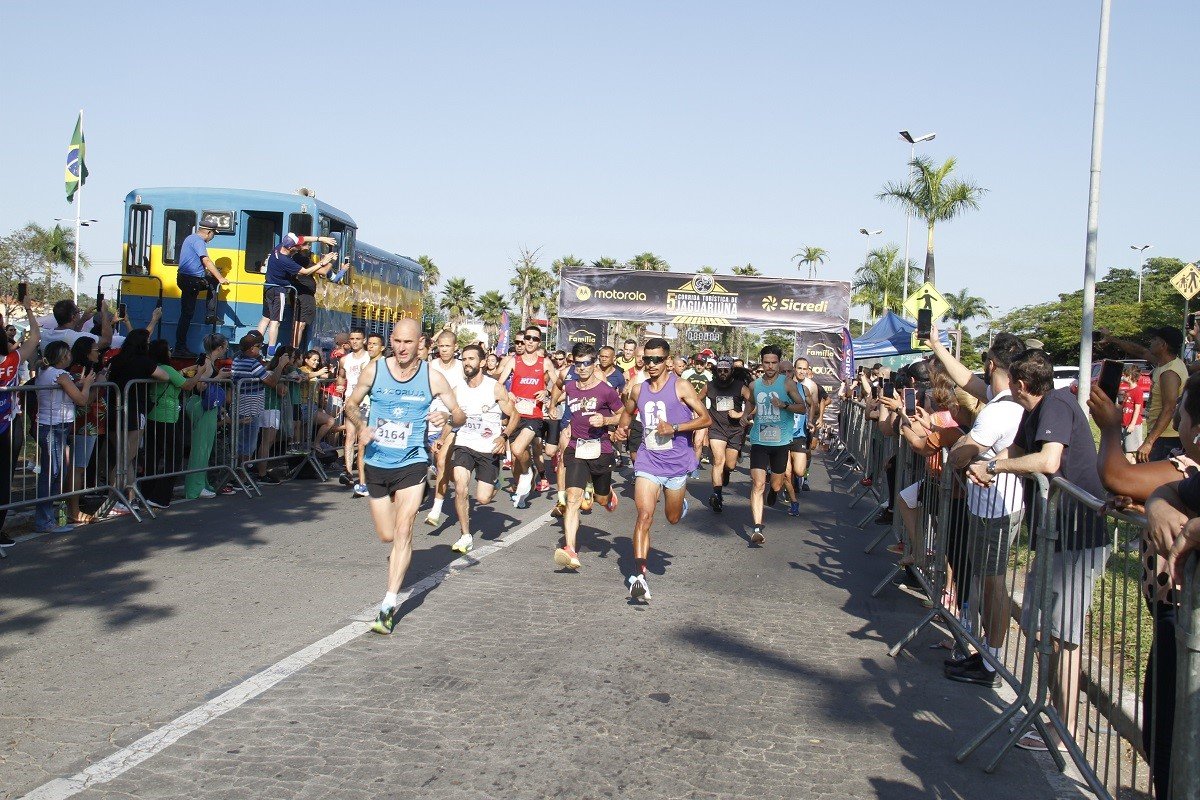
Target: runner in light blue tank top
(398, 412)
(772, 426)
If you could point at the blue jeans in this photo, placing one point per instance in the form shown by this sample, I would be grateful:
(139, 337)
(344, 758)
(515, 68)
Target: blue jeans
(52, 448)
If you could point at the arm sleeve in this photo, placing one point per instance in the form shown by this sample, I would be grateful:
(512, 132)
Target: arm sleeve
(174, 376)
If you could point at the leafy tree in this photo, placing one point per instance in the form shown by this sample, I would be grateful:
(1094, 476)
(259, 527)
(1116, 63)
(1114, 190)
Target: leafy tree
(41, 257)
(783, 339)
(532, 286)
(458, 301)
(810, 257)
(604, 262)
(557, 265)
(965, 306)
(933, 196)
(432, 275)
(706, 270)
(879, 283)
(748, 271)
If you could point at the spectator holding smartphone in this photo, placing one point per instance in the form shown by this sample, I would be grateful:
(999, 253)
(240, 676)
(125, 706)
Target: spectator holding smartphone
(57, 398)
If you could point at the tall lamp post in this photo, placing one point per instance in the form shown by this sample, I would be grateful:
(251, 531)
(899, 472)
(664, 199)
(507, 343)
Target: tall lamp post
(1141, 265)
(869, 234)
(79, 223)
(913, 141)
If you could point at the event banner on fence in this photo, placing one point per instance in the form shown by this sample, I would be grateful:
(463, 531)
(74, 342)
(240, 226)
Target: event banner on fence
(589, 331)
(703, 299)
(825, 354)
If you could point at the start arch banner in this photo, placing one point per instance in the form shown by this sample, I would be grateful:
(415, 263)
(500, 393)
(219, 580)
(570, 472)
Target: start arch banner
(703, 299)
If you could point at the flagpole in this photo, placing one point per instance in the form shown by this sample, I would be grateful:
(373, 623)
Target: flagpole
(78, 214)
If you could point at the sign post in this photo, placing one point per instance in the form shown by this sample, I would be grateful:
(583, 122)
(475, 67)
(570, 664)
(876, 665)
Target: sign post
(1187, 283)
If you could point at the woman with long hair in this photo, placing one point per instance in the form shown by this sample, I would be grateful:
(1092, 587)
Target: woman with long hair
(312, 413)
(204, 409)
(89, 422)
(58, 397)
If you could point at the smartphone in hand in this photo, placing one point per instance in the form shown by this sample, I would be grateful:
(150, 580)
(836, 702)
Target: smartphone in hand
(924, 323)
(1110, 378)
(889, 389)
(910, 402)
(122, 311)
(22, 291)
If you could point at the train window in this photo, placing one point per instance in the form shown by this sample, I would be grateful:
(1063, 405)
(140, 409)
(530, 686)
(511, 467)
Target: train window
(300, 224)
(262, 234)
(137, 253)
(177, 224)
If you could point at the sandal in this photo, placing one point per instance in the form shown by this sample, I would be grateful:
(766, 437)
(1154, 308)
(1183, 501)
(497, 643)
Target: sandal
(1033, 741)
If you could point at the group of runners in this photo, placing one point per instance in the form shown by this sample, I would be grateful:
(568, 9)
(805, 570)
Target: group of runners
(464, 419)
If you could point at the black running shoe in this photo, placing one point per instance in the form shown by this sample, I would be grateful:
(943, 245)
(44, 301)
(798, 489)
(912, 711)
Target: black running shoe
(884, 518)
(6, 541)
(345, 480)
(772, 496)
(973, 660)
(716, 502)
(975, 673)
(756, 535)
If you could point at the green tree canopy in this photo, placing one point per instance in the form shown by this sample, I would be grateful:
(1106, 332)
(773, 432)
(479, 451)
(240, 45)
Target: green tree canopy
(810, 257)
(458, 301)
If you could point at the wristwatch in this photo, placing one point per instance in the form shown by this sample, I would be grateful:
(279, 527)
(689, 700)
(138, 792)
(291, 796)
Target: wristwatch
(674, 430)
(991, 468)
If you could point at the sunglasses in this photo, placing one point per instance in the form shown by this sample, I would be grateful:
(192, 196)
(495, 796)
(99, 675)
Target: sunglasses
(533, 338)
(584, 362)
(654, 359)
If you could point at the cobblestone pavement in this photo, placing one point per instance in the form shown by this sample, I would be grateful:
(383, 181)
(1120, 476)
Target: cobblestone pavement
(755, 672)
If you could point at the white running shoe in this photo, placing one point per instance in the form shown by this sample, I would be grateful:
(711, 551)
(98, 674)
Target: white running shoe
(464, 545)
(207, 493)
(434, 520)
(685, 509)
(638, 588)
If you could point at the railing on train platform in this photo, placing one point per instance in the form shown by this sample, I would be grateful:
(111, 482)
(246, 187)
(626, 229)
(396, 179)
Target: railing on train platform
(1091, 657)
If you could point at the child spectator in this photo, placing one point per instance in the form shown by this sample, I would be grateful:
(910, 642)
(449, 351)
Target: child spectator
(57, 398)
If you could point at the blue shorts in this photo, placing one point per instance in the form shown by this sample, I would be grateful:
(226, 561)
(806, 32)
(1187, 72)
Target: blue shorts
(678, 482)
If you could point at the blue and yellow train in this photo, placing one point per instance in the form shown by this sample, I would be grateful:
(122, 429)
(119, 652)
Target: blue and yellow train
(379, 288)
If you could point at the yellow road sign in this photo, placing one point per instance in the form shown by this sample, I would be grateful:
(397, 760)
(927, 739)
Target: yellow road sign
(926, 296)
(917, 344)
(1187, 281)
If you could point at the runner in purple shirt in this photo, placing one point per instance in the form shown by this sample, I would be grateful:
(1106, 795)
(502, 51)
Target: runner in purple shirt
(593, 405)
(669, 410)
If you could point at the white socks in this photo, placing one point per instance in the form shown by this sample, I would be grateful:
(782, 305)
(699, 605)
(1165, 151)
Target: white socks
(389, 602)
(995, 651)
(436, 511)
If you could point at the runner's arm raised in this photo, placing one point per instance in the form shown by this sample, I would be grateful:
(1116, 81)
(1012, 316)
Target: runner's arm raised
(958, 371)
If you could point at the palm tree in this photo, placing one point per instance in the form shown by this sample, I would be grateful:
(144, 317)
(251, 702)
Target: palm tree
(706, 270)
(879, 283)
(556, 266)
(933, 196)
(492, 304)
(649, 261)
(748, 271)
(965, 306)
(432, 275)
(532, 286)
(811, 256)
(604, 262)
(458, 301)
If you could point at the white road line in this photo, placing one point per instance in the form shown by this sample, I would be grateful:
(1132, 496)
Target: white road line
(153, 743)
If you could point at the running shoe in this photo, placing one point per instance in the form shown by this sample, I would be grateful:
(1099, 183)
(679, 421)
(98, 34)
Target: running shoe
(433, 520)
(794, 509)
(385, 622)
(772, 496)
(360, 490)
(586, 503)
(566, 557)
(520, 501)
(543, 485)
(227, 489)
(345, 479)
(973, 672)
(6, 541)
(205, 494)
(464, 544)
(804, 485)
(684, 512)
(559, 510)
(611, 505)
(716, 502)
(756, 535)
(270, 478)
(55, 529)
(638, 588)
(507, 464)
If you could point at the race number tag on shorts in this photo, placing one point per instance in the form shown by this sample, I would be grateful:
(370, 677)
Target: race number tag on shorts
(525, 406)
(724, 404)
(393, 434)
(478, 428)
(769, 434)
(587, 448)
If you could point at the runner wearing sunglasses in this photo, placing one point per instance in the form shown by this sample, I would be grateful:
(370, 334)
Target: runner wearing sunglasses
(669, 410)
(535, 383)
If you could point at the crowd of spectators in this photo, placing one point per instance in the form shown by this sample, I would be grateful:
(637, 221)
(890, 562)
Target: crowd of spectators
(1008, 424)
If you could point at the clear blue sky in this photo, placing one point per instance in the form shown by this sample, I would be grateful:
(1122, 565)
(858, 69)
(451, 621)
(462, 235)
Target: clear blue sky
(709, 133)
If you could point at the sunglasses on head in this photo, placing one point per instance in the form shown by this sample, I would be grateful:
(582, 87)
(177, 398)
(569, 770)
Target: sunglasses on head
(654, 359)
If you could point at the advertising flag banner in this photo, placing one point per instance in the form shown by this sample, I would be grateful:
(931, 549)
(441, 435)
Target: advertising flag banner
(848, 365)
(589, 331)
(502, 337)
(704, 299)
(824, 351)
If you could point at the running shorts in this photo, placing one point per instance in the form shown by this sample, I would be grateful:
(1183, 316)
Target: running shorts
(597, 471)
(765, 457)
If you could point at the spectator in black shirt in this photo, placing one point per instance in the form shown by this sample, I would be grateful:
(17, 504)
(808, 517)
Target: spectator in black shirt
(305, 282)
(1055, 440)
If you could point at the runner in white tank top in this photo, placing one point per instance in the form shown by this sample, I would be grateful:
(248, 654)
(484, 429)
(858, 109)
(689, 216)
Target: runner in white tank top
(349, 370)
(440, 446)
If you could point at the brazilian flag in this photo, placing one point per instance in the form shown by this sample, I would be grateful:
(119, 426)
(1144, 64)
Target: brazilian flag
(76, 172)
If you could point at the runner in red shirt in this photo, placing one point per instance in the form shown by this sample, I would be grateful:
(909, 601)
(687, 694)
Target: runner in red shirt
(535, 383)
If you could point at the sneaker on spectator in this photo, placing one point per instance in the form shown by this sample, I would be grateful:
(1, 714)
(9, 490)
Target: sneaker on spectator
(973, 672)
(345, 479)
(6, 540)
(360, 490)
(543, 485)
(211, 319)
(56, 529)
(205, 494)
(884, 518)
(227, 489)
(270, 478)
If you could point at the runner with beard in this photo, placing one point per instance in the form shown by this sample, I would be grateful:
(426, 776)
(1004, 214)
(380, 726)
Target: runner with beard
(797, 472)
(588, 456)
(441, 443)
(728, 396)
(669, 410)
(481, 441)
(775, 401)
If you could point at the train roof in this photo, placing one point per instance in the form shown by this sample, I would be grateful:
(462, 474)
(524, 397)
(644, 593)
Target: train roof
(214, 195)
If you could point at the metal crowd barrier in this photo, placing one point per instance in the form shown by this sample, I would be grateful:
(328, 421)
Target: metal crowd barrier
(288, 428)
(72, 460)
(1110, 694)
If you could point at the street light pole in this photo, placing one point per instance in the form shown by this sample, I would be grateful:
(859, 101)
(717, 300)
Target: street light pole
(79, 223)
(1141, 265)
(869, 234)
(912, 156)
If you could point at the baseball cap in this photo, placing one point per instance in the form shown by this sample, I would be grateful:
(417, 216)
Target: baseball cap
(706, 352)
(1172, 336)
(290, 240)
(725, 361)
